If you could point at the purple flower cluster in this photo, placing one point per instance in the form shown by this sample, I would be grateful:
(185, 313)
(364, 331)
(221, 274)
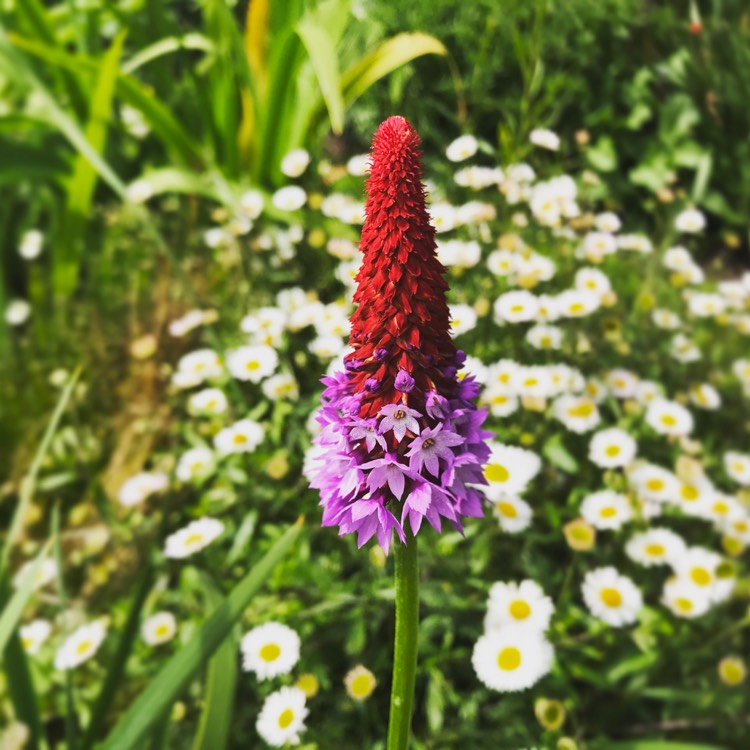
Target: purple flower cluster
(373, 474)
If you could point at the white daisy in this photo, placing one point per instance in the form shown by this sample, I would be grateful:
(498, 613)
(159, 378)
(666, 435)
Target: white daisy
(295, 162)
(282, 718)
(653, 482)
(511, 659)
(612, 448)
(252, 363)
(545, 139)
(684, 600)
(290, 198)
(517, 306)
(579, 414)
(159, 628)
(509, 469)
(611, 597)
(513, 513)
(208, 401)
(669, 418)
(241, 437)
(690, 221)
(193, 538)
(136, 489)
(737, 466)
(521, 603)
(270, 650)
(534, 381)
(606, 509)
(281, 386)
(545, 337)
(31, 243)
(81, 645)
(499, 401)
(360, 683)
(656, 546)
(196, 367)
(463, 319)
(47, 572)
(622, 383)
(462, 148)
(608, 222)
(700, 568)
(34, 634)
(705, 396)
(577, 303)
(251, 204)
(194, 464)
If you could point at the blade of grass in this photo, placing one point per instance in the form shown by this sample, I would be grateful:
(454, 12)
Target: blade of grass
(161, 121)
(20, 685)
(81, 186)
(321, 50)
(116, 669)
(218, 695)
(20, 70)
(136, 723)
(29, 482)
(13, 609)
(166, 46)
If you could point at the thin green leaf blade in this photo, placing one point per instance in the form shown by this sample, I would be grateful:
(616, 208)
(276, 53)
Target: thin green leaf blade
(221, 678)
(135, 724)
(321, 50)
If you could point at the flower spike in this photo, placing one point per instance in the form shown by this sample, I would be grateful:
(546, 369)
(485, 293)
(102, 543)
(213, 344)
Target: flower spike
(401, 435)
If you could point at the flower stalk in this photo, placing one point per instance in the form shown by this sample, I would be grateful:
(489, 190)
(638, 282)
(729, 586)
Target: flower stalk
(405, 643)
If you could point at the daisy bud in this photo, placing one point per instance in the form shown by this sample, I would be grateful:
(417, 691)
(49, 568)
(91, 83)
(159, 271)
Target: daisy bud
(549, 713)
(401, 437)
(579, 535)
(732, 671)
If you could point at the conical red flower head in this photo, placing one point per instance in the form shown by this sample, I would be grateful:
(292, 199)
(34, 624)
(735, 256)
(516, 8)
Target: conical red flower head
(402, 322)
(401, 438)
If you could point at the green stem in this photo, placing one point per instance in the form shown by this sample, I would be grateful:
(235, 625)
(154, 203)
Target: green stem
(405, 645)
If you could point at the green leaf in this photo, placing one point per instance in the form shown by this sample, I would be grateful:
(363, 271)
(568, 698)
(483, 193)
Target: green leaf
(23, 161)
(116, 669)
(702, 176)
(166, 46)
(391, 54)
(136, 723)
(80, 189)
(218, 697)
(21, 71)
(29, 481)
(602, 155)
(13, 609)
(321, 50)
(558, 455)
(160, 119)
(21, 689)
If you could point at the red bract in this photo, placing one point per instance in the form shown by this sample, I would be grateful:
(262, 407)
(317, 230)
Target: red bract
(402, 320)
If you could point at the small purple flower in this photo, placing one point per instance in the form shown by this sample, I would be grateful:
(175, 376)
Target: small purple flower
(437, 405)
(366, 429)
(372, 384)
(399, 418)
(387, 470)
(403, 382)
(428, 448)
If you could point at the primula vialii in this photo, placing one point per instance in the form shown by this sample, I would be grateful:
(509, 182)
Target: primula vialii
(402, 438)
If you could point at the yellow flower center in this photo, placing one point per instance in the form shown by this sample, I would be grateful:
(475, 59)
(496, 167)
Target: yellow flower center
(362, 685)
(519, 609)
(252, 365)
(668, 420)
(612, 450)
(576, 308)
(611, 597)
(193, 539)
(507, 509)
(286, 718)
(689, 492)
(655, 550)
(700, 576)
(496, 473)
(270, 652)
(683, 604)
(509, 659)
(585, 409)
(161, 631)
(609, 512)
(721, 508)
(239, 439)
(655, 485)
(83, 647)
